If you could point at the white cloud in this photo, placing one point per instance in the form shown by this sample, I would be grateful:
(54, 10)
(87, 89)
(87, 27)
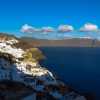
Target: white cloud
(29, 29)
(65, 28)
(89, 27)
(47, 29)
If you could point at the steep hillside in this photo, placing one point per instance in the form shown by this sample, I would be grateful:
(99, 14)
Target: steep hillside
(22, 77)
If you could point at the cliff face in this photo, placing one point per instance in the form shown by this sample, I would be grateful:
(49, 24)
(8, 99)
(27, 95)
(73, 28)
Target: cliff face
(33, 82)
(73, 42)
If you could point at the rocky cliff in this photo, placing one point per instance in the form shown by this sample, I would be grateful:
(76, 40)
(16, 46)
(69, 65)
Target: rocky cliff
(23, 78)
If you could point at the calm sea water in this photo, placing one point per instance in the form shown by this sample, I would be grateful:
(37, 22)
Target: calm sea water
(79, 67)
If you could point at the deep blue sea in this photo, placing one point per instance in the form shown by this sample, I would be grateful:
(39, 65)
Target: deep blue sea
(79, 67)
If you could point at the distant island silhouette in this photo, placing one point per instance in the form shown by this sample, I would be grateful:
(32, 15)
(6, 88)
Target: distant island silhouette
(73, 42)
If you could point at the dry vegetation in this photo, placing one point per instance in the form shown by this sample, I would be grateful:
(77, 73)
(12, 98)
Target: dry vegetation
(33, 53)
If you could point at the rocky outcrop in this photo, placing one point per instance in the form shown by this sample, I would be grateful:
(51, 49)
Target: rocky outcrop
(21, 66)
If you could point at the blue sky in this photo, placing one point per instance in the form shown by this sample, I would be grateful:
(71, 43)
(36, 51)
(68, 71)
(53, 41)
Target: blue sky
(15, 13)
